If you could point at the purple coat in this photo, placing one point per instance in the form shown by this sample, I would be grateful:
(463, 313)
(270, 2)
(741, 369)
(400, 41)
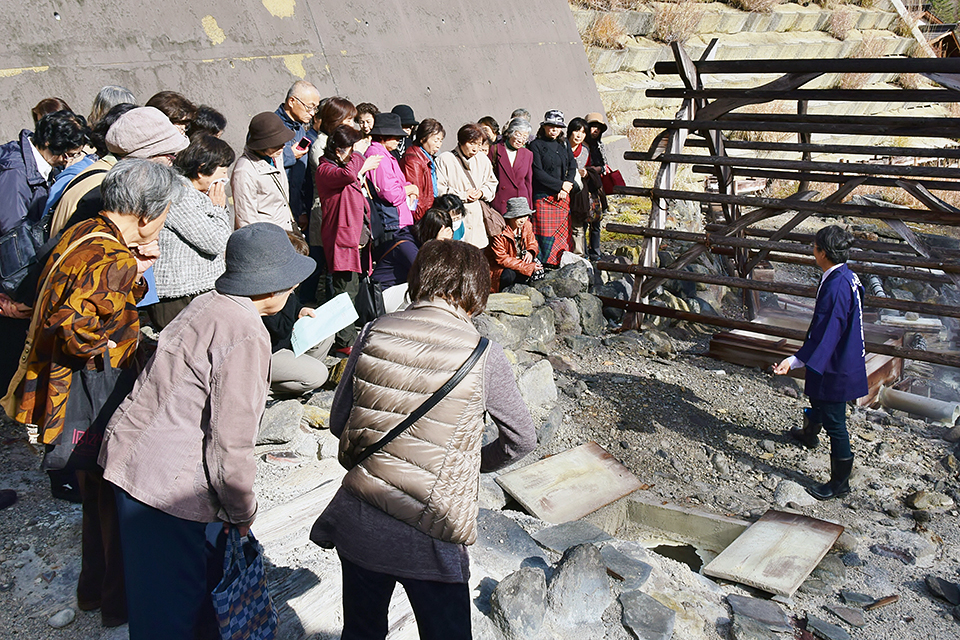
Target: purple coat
(833, 351)
(516, 180)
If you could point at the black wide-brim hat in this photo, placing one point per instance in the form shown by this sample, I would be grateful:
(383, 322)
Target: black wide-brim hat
(260, 260)
(405, 111)
(388, 125)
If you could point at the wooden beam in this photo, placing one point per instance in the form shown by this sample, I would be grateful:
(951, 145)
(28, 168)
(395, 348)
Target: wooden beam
(920, 128)
(849, 149)
(933, 357)
(829, 209)
(797, 176)
(830, 65)
(788, 288)
(932, 96)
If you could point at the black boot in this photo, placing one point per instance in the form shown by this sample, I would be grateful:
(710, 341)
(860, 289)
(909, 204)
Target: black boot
(839, 484)
(807, 436)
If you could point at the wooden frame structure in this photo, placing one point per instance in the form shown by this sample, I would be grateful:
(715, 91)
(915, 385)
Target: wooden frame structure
(708, 113)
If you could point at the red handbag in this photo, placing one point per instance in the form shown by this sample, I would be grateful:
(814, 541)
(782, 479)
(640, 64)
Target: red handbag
(611, 180)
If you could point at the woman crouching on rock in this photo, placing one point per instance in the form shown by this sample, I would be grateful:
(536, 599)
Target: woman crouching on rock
(408, 505)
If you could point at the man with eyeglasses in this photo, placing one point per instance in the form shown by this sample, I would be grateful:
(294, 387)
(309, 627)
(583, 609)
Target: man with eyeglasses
(297, 112)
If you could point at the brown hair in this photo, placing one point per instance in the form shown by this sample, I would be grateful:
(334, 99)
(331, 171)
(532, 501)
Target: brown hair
(343, 137)
(47, 106)
(470, 133)
(334, 111)
(427, 128)
(177, 108)
(452, 270)
(299, 244)
(367, 107)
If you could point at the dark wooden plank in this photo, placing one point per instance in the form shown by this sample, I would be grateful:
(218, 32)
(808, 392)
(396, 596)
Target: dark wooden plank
(848, 168)
(803, 291)
(921, 127)
(932, 357)
(830, 209)
(850, 149)
(830, 65)
(796, 176)
(920, 96)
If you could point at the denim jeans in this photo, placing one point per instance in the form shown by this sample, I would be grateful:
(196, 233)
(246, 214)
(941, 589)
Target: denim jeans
(833, 416)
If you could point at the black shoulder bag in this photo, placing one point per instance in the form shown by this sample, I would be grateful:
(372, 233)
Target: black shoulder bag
(428, 404)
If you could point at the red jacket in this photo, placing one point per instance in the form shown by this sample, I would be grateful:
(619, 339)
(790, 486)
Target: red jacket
(502, 253)
(345, 210)
(416, 168)
(516, 180)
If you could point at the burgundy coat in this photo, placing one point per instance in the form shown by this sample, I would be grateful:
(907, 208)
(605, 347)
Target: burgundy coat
(416, 168)
(515, 180)
(345, 210)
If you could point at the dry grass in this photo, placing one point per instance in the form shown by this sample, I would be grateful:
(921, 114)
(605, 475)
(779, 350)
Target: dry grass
(869, 47)
(911, 81)
(777, 107)
(756, 6)
(605, 32)
(842, 20)
(604, 5)
(640, 140)
(903, 26)
(676, 21)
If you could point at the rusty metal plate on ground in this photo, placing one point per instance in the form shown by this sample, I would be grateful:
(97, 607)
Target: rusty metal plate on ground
(569, 485)
(776, 553)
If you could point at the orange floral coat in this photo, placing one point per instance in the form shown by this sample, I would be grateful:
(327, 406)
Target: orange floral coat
(92, 298)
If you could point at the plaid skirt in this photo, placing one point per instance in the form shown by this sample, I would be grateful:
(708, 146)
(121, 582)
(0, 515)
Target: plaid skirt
(551, 225)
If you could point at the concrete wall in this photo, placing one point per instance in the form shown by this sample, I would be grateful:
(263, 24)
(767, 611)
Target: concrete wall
(450, 59)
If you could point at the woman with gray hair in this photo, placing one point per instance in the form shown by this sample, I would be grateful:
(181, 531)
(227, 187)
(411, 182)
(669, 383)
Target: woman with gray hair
(107, 98)
(85, 313)
(513, 165)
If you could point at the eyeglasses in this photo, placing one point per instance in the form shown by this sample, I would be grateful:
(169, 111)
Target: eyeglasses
(308, 107)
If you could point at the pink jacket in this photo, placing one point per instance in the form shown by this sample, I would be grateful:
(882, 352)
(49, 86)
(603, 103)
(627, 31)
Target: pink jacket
(390, 182)
(344, 209)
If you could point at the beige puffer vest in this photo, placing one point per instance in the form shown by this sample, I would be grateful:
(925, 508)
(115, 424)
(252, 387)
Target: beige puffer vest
(429, 475)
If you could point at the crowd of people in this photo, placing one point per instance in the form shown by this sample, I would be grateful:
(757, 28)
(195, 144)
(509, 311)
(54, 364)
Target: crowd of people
(144, 216)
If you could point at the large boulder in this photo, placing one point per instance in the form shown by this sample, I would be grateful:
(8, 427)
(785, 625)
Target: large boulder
(540, 331)
(518, 604)
(591, 314)
(280, 423)
(646, 618)
(514, 304)
(537, 386)
(496, 330)
(579, 591)
(536, 298)
(566, 316)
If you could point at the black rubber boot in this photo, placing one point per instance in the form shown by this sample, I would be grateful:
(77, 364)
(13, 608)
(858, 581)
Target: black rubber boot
(839, 484)
(807, 436)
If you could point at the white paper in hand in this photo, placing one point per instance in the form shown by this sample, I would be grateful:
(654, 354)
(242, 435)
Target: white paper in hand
(329, 318)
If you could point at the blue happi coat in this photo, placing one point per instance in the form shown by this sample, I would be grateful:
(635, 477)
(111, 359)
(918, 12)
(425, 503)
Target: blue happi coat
(833, 351)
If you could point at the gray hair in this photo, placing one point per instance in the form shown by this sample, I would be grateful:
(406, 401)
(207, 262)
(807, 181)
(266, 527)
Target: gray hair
(140, 188)
(109, 97)
(300, 87)
(516, 125)
(520, 113)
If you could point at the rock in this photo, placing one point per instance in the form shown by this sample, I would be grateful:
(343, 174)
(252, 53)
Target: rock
(537, 386)
(855, 599)
(562, 287)
(566, 316)
(315, 417)
(767, 613)
(561, 537)
(495, 330)
(950, 464)
(328, 446)
(846, 542)
(511, 303)
(548, 428)
(536, 298)
(657, 342)
(581, 343)
(540, 331)
(579, 591)
(284, 458)
(720, 464)
(502, 545)
(646, 618)
(591, 314)
(939, 587)
(280, 423)
(952, 434)
(788, 491)
(491, 495)
(888, 551)
(632, 572)
(518, 604)
(749, 629)
(578, 270)
(545, 290)
(853, 617)
(62, 618)
(852, 559)
(823, 629)
(321, 398)
(768, 446)
(928, 500)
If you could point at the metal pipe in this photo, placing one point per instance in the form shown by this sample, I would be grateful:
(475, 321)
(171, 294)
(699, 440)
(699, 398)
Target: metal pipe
(943, 412)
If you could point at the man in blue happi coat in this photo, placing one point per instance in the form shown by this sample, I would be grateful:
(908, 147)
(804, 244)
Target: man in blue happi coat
(833, 354)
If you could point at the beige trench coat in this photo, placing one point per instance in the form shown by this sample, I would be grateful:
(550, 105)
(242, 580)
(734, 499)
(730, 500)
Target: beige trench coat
(452, 178)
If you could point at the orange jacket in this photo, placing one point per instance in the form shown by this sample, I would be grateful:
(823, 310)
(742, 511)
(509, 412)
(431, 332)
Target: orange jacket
(502, 253)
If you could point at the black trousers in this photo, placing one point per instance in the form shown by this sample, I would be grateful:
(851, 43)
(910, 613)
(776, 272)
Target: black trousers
(442, 609)
(833, 416)
(510, 277)
(171, 566)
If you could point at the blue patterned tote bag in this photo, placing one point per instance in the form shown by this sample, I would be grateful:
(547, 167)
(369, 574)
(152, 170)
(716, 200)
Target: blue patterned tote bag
(241, 600)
